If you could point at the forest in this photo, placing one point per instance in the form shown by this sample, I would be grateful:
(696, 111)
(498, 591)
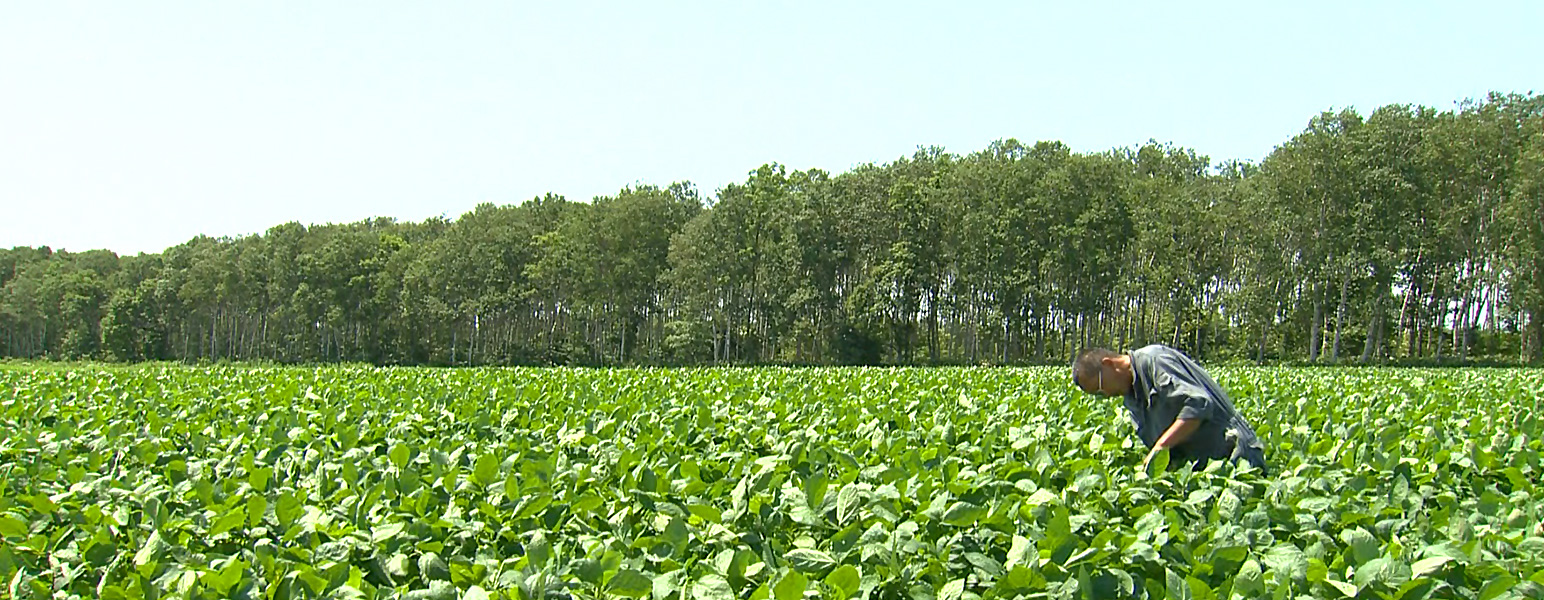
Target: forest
(1409, 234)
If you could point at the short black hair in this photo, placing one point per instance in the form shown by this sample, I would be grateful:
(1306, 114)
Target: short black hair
(1089, 361)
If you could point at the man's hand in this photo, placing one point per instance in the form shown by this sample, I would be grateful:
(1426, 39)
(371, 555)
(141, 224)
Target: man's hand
(1174, 436)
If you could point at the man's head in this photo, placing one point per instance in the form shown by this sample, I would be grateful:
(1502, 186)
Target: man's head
(1102, 372)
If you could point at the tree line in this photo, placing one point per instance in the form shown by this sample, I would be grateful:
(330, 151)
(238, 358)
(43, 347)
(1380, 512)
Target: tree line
(1406, 234)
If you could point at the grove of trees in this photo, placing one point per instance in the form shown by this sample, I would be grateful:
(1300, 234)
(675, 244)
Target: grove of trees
(1407, 234)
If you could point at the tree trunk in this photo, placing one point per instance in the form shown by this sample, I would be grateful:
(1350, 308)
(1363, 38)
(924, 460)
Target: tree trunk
(1340, 317)
(1472, 319)
(973, 343)
(1493, 323)
(1436, 313)
(1260, 349)
(1374, 325)
(1461, 329)
(1200, 351)
(1534, 344)
(1140, 338)
(1404, 327)
(1315, 328)
(1082, 335)
(1041, 324)
(1125, 328)
(932, 326)
(1434, 330)
(1007, 334)
(1174, 339)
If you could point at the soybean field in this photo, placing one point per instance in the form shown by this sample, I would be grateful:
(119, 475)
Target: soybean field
(762, 483)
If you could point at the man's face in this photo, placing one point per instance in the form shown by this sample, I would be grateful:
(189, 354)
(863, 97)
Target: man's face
(1102, 383)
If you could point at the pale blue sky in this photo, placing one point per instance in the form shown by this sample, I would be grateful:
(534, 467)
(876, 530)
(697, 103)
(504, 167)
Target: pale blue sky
(135, 126)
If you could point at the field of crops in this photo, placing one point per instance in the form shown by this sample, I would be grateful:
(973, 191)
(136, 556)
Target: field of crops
(937, 484)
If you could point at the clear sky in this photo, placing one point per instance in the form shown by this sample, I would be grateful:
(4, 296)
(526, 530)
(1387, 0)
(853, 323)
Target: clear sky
(135, 126)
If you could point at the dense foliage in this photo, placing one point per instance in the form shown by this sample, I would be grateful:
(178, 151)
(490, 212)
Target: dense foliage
(767, 483)
(1408, 233)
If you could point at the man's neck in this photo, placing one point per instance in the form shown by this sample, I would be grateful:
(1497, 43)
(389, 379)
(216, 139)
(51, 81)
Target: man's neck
(1123, 366)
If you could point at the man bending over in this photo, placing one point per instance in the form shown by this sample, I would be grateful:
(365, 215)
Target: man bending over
(1173, 402)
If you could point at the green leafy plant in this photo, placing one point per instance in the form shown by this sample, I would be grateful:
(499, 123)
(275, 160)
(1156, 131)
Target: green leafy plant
(754, 483)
